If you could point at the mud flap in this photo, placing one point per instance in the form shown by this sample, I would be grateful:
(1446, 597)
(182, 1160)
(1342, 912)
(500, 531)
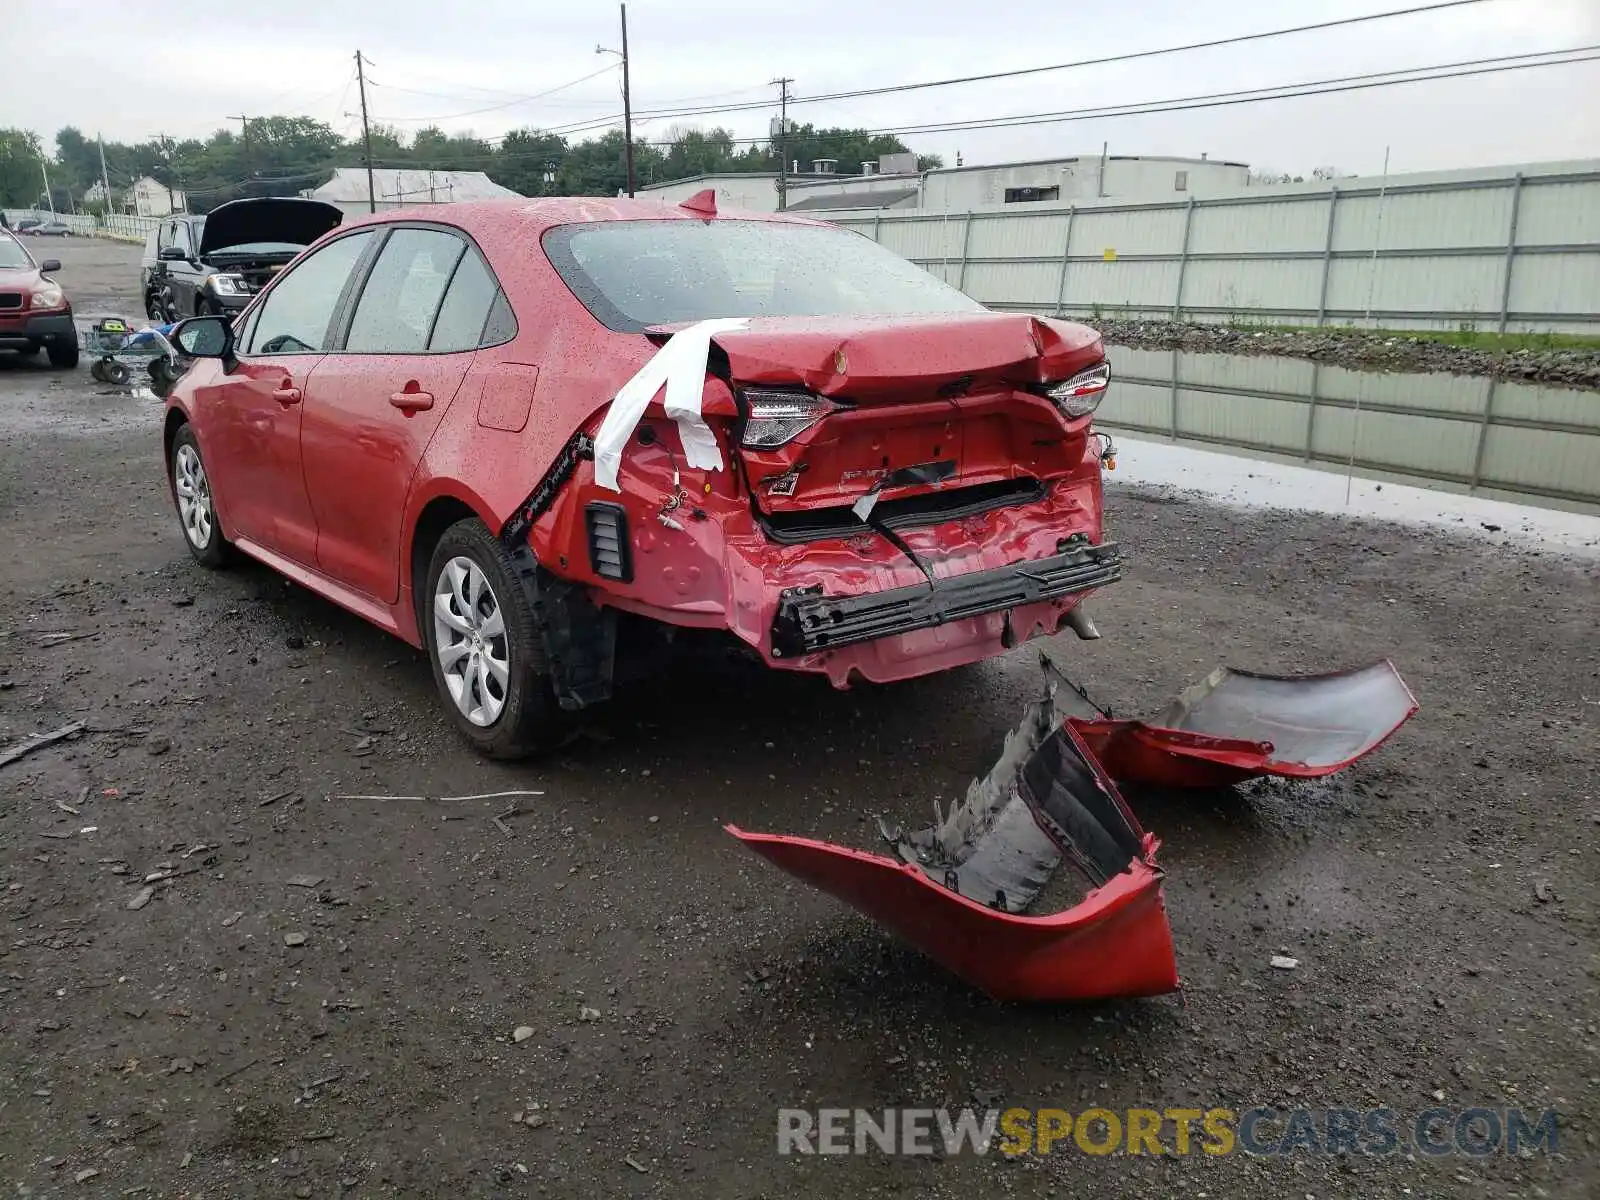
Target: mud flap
(580, 640)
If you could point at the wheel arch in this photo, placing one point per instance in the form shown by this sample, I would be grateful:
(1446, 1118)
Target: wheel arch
(436, 515)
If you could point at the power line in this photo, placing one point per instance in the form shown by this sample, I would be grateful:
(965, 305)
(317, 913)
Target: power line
(1102, 60)
(1288, 91)
(508, 104)
(1349, 83)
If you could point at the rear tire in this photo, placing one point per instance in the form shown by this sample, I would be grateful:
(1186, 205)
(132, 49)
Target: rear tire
(484, 647)
(63, 354)
(191, 496)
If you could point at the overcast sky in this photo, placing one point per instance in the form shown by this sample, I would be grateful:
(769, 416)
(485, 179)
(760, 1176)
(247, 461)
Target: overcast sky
(137, 73)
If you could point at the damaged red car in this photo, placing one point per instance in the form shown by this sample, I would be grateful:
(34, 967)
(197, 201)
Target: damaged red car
(542, 440)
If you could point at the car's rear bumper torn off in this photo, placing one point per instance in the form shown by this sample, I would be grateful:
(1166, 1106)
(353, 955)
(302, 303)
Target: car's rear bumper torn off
(808, 621)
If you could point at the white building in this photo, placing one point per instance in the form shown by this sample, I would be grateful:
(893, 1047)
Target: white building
(150, 198)
(394, 188)
(893, 183)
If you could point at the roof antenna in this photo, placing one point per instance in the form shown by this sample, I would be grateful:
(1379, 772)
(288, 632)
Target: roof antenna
(703, 203)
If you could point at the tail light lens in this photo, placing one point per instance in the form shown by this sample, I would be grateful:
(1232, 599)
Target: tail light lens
(777, 418)
(1081, 395)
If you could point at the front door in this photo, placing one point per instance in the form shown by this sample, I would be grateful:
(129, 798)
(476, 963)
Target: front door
(375, 401)
(254, 418)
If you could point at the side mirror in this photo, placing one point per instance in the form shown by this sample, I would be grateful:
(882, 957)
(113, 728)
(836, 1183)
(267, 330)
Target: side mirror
(48, 265)
(172, 254)
(205, 337)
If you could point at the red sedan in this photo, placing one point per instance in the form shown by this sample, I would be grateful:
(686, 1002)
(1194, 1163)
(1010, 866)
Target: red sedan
(539, 438)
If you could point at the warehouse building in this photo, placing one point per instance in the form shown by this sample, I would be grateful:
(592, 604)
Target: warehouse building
(403, 188)
(893, 182)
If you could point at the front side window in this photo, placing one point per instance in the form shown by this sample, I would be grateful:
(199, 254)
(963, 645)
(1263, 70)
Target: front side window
(402, 294)
(297, 312)
(636, 274)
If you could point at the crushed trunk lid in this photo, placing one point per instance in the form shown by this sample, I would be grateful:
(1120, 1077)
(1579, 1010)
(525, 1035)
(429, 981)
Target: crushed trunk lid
(902, 406)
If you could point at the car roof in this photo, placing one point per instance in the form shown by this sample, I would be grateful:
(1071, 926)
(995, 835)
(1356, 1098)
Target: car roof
(529, 218)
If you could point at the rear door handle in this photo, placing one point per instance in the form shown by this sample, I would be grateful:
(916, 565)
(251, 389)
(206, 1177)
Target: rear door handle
(286, 395)
(412, 402)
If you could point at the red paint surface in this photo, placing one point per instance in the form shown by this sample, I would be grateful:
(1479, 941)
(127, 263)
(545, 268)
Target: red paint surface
(331, 489)
(1115, 943)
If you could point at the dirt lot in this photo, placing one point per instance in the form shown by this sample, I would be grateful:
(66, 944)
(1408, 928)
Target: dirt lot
(1440, 898)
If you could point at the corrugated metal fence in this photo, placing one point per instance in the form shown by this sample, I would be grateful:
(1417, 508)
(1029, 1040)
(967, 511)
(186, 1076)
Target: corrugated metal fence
(1513, 251)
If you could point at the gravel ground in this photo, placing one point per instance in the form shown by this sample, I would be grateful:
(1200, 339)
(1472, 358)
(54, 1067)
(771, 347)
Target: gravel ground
(1360, 350)
(217, 981)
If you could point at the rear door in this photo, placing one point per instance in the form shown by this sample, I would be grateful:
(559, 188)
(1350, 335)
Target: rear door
(374, 403)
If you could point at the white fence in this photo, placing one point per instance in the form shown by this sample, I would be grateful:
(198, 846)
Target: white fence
(1508, 250)
(112, 225)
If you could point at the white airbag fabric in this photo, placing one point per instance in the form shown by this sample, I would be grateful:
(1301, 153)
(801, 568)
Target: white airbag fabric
(680, 366)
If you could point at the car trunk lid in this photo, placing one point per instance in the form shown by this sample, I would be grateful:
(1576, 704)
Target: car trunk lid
(913, 405)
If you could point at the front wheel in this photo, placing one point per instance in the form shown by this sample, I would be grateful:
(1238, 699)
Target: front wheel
(487, 655)
(63, 354)
(191, 492)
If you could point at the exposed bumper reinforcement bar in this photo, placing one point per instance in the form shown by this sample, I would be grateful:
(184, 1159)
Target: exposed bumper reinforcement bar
(808, 622)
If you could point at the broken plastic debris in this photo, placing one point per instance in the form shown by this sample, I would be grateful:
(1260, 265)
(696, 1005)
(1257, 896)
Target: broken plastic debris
(680, 367)
(961, 889)
(1235, 725)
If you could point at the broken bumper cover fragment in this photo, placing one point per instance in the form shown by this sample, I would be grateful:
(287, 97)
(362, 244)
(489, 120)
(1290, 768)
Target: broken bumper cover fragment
(960, 890)
(1237, 725)
(807, 621)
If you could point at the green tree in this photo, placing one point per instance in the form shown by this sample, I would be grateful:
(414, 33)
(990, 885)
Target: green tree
(529, 162)
(21, 185)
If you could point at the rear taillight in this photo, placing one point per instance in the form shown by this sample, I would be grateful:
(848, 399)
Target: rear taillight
(1081, 395)
(777, 418)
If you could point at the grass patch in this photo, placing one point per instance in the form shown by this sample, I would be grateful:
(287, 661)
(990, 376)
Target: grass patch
(1471, 339)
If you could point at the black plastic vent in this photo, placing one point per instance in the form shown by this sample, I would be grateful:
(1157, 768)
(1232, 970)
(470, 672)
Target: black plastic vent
(608, 541)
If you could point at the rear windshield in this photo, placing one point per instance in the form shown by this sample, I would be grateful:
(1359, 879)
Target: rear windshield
(635, 274)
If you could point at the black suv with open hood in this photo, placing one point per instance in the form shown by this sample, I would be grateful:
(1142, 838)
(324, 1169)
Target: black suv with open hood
(214, 264)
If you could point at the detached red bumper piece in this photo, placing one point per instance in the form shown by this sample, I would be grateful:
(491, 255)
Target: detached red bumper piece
(964, 909)
(1236, 725)
(960, 890)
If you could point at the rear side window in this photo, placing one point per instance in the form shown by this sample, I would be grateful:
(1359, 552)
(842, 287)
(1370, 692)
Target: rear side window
(298, 310)
(402, 295)
(502, 323)
(466, 306)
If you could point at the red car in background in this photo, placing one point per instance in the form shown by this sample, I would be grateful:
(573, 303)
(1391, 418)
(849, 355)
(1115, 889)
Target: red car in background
(540, 438)
(35, 313)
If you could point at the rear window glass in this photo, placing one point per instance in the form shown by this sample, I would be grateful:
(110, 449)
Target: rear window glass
(635, 274)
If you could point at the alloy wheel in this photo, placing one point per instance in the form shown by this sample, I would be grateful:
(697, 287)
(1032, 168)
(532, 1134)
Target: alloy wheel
(469, 637)
(194, 496)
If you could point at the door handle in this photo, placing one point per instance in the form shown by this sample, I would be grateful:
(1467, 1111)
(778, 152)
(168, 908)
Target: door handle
(286, 395)
(410, 402)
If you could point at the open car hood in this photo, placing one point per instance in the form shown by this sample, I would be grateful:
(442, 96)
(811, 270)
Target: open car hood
(288, 219)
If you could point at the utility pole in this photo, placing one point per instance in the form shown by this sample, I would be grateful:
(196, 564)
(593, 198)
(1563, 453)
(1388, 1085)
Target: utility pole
(366, 132)
(783, 142)
(244, 139)
(105, 179)
(627, 103)
(48, 198)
